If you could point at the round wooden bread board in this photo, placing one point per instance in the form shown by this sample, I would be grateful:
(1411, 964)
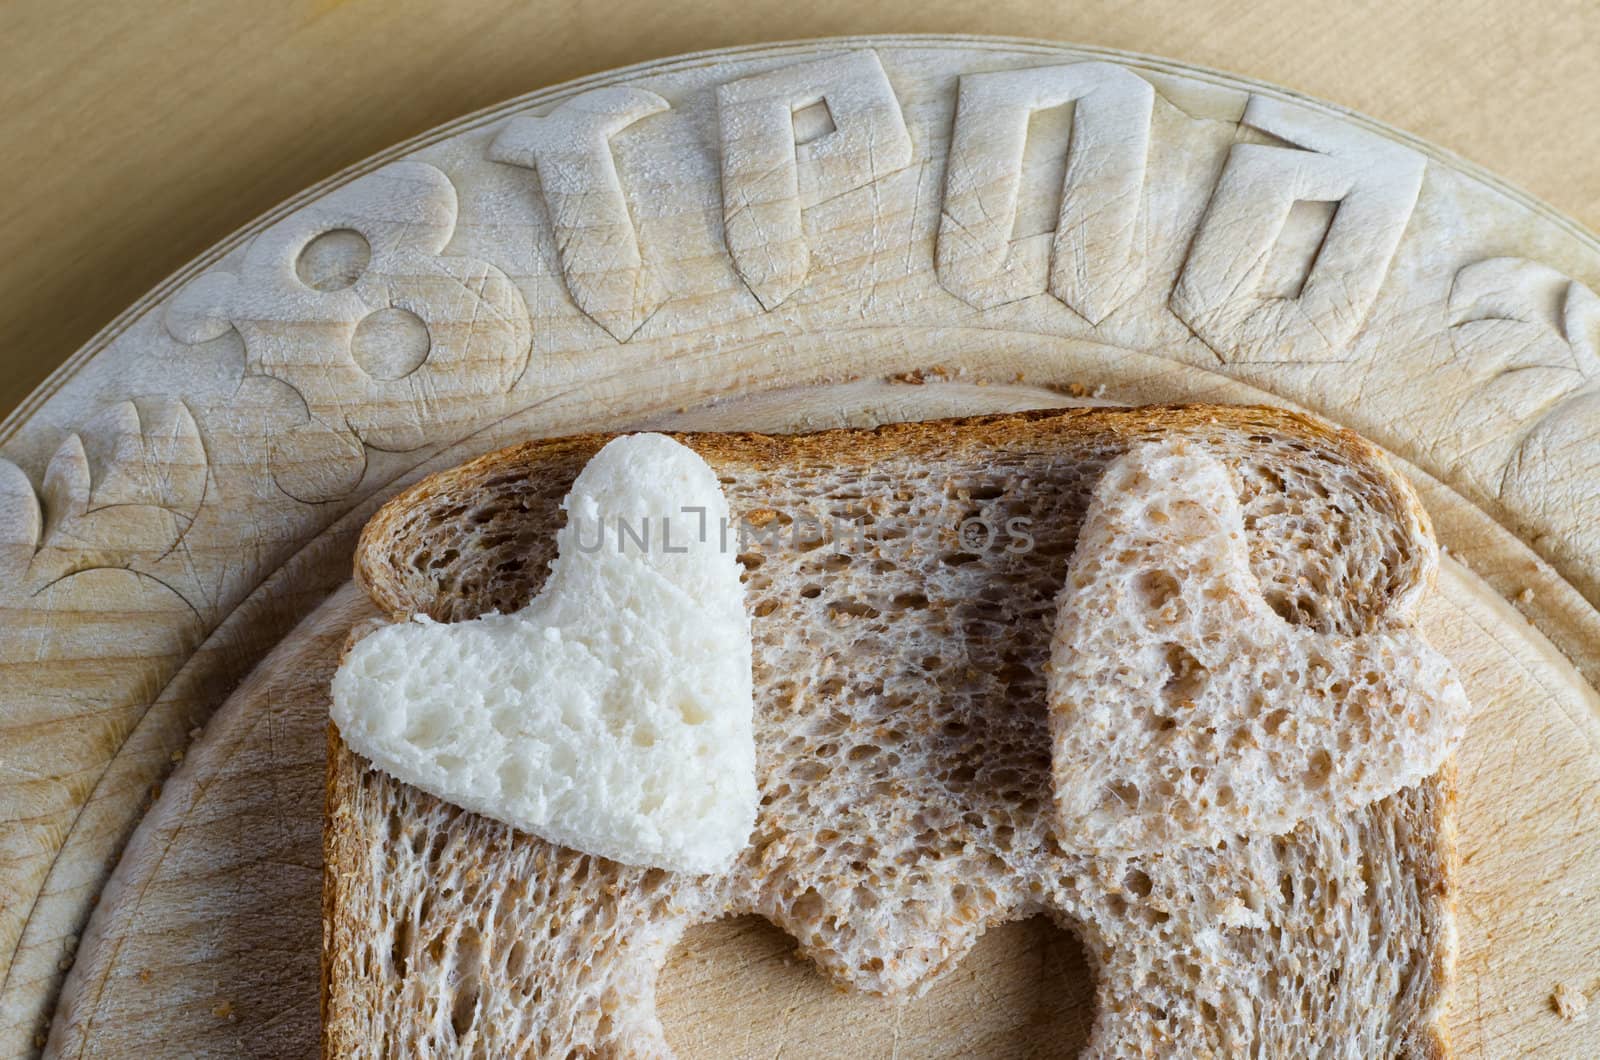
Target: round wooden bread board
(788, 237)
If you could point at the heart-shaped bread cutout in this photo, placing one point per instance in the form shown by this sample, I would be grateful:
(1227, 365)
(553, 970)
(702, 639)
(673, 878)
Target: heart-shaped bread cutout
(613, 713)
(1184, 710)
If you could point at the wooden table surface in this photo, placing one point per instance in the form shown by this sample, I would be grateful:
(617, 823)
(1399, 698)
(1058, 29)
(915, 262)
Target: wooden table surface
(135, 135)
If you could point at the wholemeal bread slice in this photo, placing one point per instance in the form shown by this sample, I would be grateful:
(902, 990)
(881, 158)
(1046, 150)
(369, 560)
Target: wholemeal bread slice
(903, 752)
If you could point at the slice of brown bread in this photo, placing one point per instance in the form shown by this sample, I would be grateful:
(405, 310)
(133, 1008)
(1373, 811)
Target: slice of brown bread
(903, 753)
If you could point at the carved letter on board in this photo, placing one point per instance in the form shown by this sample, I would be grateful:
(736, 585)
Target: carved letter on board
(596, 240)
(768, 177)
(1095, 262)
(1375, 183)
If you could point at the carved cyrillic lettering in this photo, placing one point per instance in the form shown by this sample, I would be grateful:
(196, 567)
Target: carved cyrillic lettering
(1375, 182)
(768, 177)
(1095, 260)
(596, 240)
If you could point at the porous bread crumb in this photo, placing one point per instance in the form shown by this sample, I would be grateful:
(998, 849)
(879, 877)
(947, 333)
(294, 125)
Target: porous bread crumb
(1236, 914)
(1185, 709)
(1570, 1003)
(904, 789)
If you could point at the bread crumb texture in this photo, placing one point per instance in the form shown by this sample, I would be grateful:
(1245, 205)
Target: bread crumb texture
(903, 752)
(1570, 1002)
(612, 712)
(1185, 709)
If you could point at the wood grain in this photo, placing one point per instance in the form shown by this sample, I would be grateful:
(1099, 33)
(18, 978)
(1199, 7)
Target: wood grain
(189, 487)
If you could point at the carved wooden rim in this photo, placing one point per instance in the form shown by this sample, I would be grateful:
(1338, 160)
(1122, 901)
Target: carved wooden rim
(19, 416)
(1516, 299)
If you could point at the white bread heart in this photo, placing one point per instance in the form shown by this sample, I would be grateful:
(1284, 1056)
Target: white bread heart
(1185, 710)
(613, 713)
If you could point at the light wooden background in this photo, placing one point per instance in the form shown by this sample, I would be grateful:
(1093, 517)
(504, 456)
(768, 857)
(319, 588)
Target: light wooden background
(134, 135)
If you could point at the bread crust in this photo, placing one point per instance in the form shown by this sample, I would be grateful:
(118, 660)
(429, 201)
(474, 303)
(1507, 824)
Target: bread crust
(862, 447)
(398, 591)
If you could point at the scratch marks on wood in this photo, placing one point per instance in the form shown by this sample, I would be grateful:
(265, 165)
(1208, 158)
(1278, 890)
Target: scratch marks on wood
(1524, 334)
(596, 240)
(769, 177)
(150, 485)
(1374, 180)
(1097, 260)
(302, 326)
